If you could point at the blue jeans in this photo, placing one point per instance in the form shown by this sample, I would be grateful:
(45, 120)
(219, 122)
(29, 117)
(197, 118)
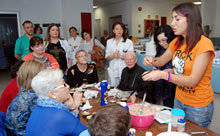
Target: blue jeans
(199, 115)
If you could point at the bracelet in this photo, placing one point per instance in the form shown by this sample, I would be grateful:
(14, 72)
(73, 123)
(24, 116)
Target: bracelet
(170, 77)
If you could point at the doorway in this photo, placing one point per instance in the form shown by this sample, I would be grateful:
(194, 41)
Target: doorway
(9, 32)
(86, 22)
(112, 20)
(97, 29)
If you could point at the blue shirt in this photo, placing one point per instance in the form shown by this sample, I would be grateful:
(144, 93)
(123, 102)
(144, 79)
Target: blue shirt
(52, 118)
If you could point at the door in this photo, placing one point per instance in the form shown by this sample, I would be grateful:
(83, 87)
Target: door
(163, 20)
(9, 32)
(112, 20)
(86, 21)
(97, 29)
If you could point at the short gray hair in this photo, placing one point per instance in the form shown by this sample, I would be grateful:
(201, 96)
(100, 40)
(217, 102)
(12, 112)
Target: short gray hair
(130, 53)
(45, 81)
(79, 52)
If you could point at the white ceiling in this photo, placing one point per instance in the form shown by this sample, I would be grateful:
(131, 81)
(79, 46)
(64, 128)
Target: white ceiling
(108, 2)
(105, 2)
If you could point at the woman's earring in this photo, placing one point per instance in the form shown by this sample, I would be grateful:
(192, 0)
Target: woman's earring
(54, 97)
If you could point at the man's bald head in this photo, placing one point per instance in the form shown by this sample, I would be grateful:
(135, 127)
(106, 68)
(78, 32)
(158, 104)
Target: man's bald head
(130, 53)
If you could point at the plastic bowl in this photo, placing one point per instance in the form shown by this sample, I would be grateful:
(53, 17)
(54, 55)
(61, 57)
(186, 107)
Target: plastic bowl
(141, 122)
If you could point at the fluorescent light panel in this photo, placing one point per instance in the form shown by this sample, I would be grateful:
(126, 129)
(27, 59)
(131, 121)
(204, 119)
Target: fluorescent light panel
(197, 3)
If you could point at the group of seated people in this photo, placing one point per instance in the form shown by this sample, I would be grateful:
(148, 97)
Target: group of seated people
(44, 106)
(44, 100)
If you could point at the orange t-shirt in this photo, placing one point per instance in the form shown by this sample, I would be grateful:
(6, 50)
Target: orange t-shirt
(53, 62)
(202, 94)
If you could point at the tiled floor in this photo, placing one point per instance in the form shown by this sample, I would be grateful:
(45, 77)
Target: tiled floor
(214, 126)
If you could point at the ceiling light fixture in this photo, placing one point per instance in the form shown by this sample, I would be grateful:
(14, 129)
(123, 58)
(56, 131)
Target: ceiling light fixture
(197, 3)
(95, 7)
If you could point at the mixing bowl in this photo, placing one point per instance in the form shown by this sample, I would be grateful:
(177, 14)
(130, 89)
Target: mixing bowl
(140, 122)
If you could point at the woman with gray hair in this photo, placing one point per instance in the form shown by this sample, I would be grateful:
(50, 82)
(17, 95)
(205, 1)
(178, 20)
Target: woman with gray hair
(56, 111)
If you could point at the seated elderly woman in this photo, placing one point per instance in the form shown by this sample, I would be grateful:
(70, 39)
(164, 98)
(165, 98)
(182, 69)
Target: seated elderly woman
(37, 49)
(81, 72)
(21, 107)
(56, 111)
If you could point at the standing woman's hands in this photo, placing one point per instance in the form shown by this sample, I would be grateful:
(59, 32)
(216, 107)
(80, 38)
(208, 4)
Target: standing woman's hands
(154, 75)
(115, 54)
(148, 61)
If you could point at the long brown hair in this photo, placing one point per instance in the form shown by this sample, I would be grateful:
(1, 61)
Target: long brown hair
(194, 24)
(48, 33)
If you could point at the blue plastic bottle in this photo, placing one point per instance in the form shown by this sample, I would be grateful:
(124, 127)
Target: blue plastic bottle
(103, 85)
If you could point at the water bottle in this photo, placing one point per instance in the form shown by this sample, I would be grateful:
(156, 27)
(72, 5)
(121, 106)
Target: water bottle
(103, 86)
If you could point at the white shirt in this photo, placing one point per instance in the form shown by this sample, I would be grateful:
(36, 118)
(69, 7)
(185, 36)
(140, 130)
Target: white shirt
(150, 47)
(116, 65)
(73, 50)
(89, 46)
(66, 47)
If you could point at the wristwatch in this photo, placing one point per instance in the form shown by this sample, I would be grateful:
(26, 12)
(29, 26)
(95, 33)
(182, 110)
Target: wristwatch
(72, 109)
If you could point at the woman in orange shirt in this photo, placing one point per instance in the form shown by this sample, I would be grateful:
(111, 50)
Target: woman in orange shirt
(192, 55)
(37, 49)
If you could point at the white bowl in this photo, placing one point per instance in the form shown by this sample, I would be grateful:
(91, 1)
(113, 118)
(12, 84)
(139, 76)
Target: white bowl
(173, 134)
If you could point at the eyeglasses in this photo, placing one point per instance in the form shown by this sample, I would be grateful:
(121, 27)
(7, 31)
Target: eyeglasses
(131, 59)
(81, 56)
(61, 86)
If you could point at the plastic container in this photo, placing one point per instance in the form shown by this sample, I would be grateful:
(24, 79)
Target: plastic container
(177, 114)
(181, 125)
